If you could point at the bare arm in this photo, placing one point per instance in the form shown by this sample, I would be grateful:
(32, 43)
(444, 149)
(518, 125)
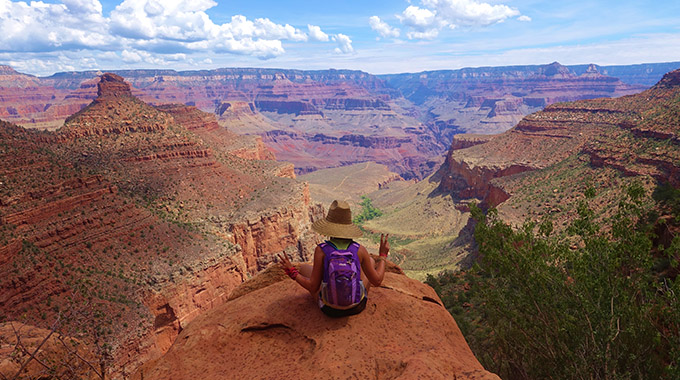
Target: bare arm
(374, 275)
(311, 284)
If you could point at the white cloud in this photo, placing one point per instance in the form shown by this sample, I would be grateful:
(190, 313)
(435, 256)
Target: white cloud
(315, 33)
(428, 34)
(425, 22)
(241, 27)
(83, 7)
(48, 63)
(145, 30)
(131, 56)
(344, 44)
(470, 12)
(178, 20)
(419, 18)
(41, 27)
(383, 29)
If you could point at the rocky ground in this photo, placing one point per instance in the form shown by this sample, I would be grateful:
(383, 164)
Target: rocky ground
(271, 328)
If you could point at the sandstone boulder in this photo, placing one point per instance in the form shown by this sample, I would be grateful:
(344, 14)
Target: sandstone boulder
(271, 329)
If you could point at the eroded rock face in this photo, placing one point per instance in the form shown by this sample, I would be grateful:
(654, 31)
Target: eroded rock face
(113, 86)
(670, 80)
(351, 108)
(637, 135)
(273, 330)
(493, 99)
(110, 207)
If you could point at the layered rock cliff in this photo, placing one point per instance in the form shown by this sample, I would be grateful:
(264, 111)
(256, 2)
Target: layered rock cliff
(271, 328)
(493, 99)
(636, 136)
(335, 103)
(142, 213)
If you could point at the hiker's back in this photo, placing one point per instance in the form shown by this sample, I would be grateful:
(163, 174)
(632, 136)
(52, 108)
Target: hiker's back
(341, 287)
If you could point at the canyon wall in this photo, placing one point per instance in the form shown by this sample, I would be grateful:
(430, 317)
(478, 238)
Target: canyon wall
(284, 106)
(130, 207)
(634, 135)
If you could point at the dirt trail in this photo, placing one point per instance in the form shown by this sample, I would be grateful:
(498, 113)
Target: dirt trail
(347, 176)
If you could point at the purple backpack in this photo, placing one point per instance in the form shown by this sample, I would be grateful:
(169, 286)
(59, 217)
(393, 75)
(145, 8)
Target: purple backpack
(341, 287)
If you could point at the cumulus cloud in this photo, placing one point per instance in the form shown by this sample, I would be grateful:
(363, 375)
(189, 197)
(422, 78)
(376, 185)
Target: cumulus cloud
(344, 44)
(315, 33)
(145, 31)
(383, 29)
(417, 17)
(42, 27)
(428, 34)
(425, 21)
(131, 56)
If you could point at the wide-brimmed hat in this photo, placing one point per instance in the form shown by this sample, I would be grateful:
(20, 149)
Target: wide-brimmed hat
(338, 222)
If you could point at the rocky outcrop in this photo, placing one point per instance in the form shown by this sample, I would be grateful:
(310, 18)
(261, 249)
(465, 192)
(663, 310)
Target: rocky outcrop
(273, 329)
(282, 230)
(114, 111)
(401, 154)
(112, 86)
(220, 139)
(191, 117)
(636, 135)
(132, 208)
(463, 141)
(670, 80)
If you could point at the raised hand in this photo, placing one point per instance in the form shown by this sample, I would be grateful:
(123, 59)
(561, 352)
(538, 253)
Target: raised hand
(290, 270)
(284, 261)
(384, 245)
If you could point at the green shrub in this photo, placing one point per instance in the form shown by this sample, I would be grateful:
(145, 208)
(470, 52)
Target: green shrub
(368, 211)
(539, 309)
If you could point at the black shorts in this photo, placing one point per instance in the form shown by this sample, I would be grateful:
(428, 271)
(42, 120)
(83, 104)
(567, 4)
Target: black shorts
(336, 313)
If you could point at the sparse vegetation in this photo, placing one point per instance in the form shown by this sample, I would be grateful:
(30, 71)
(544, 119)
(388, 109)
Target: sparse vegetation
(368, 211)
(537, 307)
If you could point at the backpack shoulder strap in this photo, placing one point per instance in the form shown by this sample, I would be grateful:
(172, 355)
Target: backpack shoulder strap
(327, 247)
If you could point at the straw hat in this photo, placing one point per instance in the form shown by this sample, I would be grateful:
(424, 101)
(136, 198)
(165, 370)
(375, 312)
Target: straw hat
(338, 222)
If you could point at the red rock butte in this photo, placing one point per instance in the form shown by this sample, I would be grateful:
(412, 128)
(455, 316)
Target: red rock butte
(112, 85)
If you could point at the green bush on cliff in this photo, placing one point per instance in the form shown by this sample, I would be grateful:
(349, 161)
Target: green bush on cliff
(368, 211)
(535, 307)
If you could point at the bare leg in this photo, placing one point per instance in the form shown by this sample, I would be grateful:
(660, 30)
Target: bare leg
(364, 279)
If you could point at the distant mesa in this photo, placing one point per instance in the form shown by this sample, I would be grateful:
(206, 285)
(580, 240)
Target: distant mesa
(556, 69)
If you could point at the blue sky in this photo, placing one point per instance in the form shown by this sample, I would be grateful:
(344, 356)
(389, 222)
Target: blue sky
(378, 36)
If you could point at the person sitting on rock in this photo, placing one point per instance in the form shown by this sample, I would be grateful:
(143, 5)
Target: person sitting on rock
(343, 271)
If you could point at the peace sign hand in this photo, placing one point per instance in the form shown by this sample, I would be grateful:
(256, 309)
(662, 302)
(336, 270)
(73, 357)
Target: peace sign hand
(384, 245)
(284, 261)
(290, 270)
